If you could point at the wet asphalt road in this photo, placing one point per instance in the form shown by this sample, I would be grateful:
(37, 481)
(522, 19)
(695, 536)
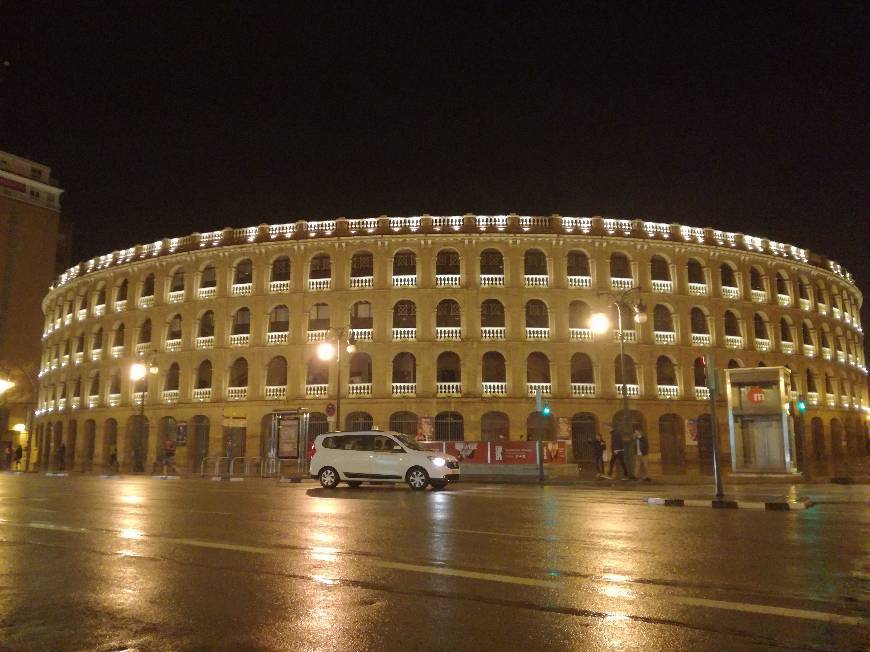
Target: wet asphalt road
(193, 564)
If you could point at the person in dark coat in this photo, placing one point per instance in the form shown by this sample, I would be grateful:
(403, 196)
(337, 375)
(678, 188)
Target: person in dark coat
(61, 457)
(19, 453)
(617, 451)
(598, 448)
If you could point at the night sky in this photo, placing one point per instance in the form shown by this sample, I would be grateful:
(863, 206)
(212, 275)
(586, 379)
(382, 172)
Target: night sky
(160, 120)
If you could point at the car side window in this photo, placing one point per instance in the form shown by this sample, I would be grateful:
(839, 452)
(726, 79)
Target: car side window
(357, 442)
(385, 444)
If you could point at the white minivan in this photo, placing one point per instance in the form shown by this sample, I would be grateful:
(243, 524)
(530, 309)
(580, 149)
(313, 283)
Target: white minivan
(376, 456)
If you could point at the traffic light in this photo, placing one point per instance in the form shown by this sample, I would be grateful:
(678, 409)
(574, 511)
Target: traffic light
(546, 410)
(801, 404)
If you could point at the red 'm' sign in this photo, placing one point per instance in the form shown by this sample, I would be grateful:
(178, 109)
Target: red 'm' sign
(755, 395)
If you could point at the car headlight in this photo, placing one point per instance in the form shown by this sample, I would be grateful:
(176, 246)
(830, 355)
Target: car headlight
(437, 461)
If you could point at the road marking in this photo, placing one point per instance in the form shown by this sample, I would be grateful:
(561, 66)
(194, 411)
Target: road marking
(772, 611)
(455, 572)
(500, 534)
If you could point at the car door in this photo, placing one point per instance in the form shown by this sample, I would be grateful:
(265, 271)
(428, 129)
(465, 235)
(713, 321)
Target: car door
(355, 456)
(389, 463)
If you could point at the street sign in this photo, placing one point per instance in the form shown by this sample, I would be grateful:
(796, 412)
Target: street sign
(330, 409)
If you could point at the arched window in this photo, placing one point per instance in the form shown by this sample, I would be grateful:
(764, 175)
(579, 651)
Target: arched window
(695, 272)
(276, 372)
(320, 267)
(447, 263)
(280, 270)
(494, 426)
(171, 382)
(756, 281)
(660, 270)
(173, 328)
(358, 421)
(80, 343)
(203, 375)
(448, 368)
(449, 426)
(536, 314)
(206, 324)
(405, 423)
(120, 333)
(318, 424)
(578, 264)
(279, 319)
(620, 266)
(493, 367)
(176, 283)
(239, 373)
(244, 272)
(242, 322)
(699, 370)
(732, 325)
(362, 265)
(405, 263)
(781, 284)
(447, 314)
(759, 327)
(121, 293)
(148, 286)
(538, 423)
(491, 263)
(404, 368)
(535, 263)
(734, 364)
(630, 370)
(663, 320)
(115, 382)
(77, 387)
(317, 372)
(665, 372)
(360, 368)
(537, 368)
(727, 276)
(145, 332)
(811, 381)
(803, 288)
(83, 302)
(581, 369)
(208, 277)
(361, 315)
(318, 317)
(95, 384)
(826, 342)
(492, 314)
(579, 314)
(97, 341)
(101, 296)
(784, 330)
(699, 322)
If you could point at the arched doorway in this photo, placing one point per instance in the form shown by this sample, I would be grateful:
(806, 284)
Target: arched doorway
(536, 422)
(818, 433)
(672, 443)
(167, 429)
(584, 427)
(72, 440)
(198, 451)
(136, 443)
(110, 441)
(836, 439)
(90, 445)
(705, 442)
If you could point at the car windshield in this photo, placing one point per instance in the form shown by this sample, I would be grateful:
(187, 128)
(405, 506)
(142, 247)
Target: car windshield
(407, 441)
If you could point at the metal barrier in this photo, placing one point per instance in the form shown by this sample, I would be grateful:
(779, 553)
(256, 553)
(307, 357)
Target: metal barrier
(269, 467)
(247, 463)
(217, 464)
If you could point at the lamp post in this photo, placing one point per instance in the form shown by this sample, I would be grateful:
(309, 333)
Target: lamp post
(139, 371)
(326, 351)
(599, 323)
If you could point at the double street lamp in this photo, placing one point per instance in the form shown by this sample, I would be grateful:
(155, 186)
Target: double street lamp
(629, 301)
(327, 350)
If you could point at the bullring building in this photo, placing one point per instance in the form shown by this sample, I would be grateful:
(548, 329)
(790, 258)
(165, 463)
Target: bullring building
(455, 324)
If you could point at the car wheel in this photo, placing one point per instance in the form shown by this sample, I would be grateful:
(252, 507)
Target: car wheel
(438, 484)
(328, 477)
(354, 484)
(417, 478)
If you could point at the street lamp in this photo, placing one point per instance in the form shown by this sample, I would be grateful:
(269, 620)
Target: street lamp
(326, 351)
(5, 385)
(139, 371)
(599, 323)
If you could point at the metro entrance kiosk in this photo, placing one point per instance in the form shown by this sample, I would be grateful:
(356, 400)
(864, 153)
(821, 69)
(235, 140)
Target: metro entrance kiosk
(759, 420)
(287, 443)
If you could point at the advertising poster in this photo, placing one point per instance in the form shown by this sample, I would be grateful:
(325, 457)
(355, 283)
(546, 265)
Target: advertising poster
(469, 452)
(424, 429)
(288, 438)
(692, 432)
(514, 452)
(555, 452)
(181, 433)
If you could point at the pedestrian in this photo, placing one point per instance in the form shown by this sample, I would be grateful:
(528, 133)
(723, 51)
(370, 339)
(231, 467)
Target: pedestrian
(168, 452)
(617, 451)
(113, 458)
(19, 453)
(640, 452)
(598, 448)
(61, 457)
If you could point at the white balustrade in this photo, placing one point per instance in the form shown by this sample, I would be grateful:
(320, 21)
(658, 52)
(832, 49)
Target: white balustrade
(82, 314)
(783, 300)
(138, 397)
(448, 389)
(804, 304)
(67, 319)
(316, 336)
(207, 292)
(822, 308)
(319, 283)
(324, 227)
(537, 333)
(240, 339)
(357, 282)
(668, 391)
(404, 333)
(78, 357)
(447, 280)
(202, 394)
(367, 224)
(532, 388)
(400, 223)
(359, 389)
(277, 338)
(205, 342)
(527, 222)
(171, 395)
(537, 280)
(316, 391)
(64, 360)
(279, 286)
(281, 230)
(492, 332)
(826, 353)
(146, 301)
(248, 233)
(117, 351)
(841, 356)
(99, 310)
(836, 312)
(583, 224)
(702, 393)
(701, 339)
(809, 350)
(237, 393)
(579, 281)
(176, 296)
(362, 334)
(493, 388)
(787, 347)
(734, 341)
(583, 390)
(75, 402)
(631, 390)
(453, 222)
(276, 392)
(121, 306)
(621, 283)
(759, 296)
(93, 401)
(662, 286)
(698, 289)
(96, 354)
(628, 335)
(172, 345)
(657, 228)
(665, 337)
(762, 344)
(813, 398)
(404, 389)
(142, 347)
(730, 292)
(845, 401)
(113, 400)
(497, 221)
(580, 334)
(448, 332)
(491, 280)
(242, 289)
(405, 281)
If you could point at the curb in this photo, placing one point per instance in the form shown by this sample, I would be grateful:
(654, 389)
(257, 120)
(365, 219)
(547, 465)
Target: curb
(769, 506)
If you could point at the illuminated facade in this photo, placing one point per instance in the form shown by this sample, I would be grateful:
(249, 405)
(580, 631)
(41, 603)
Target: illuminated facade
(457, 321)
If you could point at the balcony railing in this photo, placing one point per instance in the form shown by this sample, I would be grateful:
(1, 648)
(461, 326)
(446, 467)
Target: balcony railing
(734, 341)
(242, 289)
(207, 292)
(274, 392)
(701, 339)
(631, 390)
(629, 335)
(491, 280)
(240, 339)
(143, 347)
(783, 300)
(99, 310)
(804, 304)
(813, 398)
(359, 389)
(497, 221)
(78, 357)
(96, 354)
(113, 400)
(537, 280)
(138, 397)
(668, 391)
(404, 389)
(698, 289)
(405, 281)
(447, 280)
(93, 401)
(448, 332)
(702, 393)
(822, 308)
(662, 287)
(277, 338)
(621, 283)
(583, 390)
(730, 292)
(205, 342)
(579, 281)
(362, 334)
(202, 394)
(448, 389)
(787, 347)
(809, 350)
(82, 314)
(146, 301)
(492, 332)
(759, 296)
(121, 306)
(171, 395)
(841, 356)
(826, 353)
(316, 391)
(64, 360)
(319, 283)
(75, 402)
(316, 336)
(493, 388)
(404, 333)
(580, 334)
(845, 401)
(836, 312)
(279, 286)
(237, 393)
(177, 296)
(665, 337)
(117, 351)
(357, 282)
(762, 344)
(532, 388)
(172, 345)
(537, 333)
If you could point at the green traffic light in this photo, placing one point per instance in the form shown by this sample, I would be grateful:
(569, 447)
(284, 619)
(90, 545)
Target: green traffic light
(801, 406)
(546, 411)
